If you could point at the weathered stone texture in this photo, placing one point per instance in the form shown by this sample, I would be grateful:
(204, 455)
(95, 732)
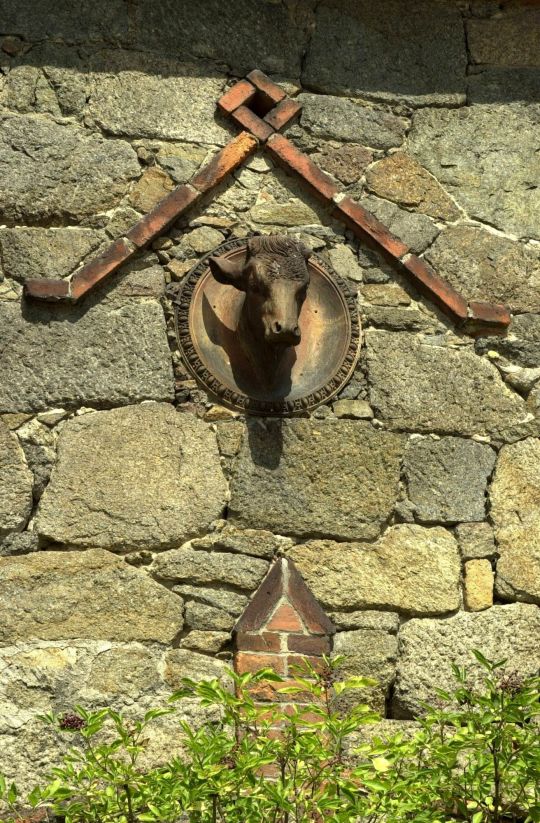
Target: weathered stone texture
(92, 594)
(427, 647)
(368, 653)
(194, 566)
(475, 540)
(244, 34)
(515, 509)
(359, 48)
(137, 477)
(422, 387)
(416, 230)
(447, 479)
(402, 179)
(463, 149)
(41, 160)
(106, 353)
(144, 96)
(355, 575)
(492, 85)
(366, 619)
(153, 186)
(521, 344)
(256, 542)
(340, 119)
(29, 253)
(485, 266)
(42, 676)
(315, 478)
(15, 484)
(510, 38)
(39, 446)
(478, 585)
(293, 214)
(64, 20)
(346, 162)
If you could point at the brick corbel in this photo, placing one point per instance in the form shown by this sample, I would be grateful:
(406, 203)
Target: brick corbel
(262, 109)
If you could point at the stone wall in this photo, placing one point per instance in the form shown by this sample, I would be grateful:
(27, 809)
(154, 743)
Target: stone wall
(136, 516)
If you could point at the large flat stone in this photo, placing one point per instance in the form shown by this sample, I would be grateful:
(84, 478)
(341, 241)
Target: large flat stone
(135, 477)
(65, 20)
(35, 252)
(355, 575)
(421, 387)
(368, 653)
(427, 647)
(340, 119)
(463, 149)
(374, 50)
(149, 96)
(508, 38)
(63, 595)
(105, 352)
(485, 266)
(334, 479)
(491, 85)
(447, 479)
(59, 171)
(244, 34)
(402, 179)
(16, 482)
(515, 509)
(192, 566)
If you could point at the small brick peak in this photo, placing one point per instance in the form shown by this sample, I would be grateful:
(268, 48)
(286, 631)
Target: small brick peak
(284, 603)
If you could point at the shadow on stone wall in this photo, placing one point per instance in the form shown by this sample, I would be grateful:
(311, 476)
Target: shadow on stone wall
(421, 53)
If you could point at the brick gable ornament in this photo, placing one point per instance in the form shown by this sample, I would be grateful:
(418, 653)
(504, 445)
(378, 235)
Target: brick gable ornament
(281, 625)
(262, 110)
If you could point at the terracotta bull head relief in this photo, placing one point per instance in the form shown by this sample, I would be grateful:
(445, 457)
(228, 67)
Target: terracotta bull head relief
(266, 326)
(275, 280)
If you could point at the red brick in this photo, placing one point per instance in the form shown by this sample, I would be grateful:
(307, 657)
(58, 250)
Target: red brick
(285, 619)
(435, 288)
(263, 602)
(238, 95)
(264, 642)
(366, 226)
(45, 289)
(270, 693)
(314, 617)
(283, 114)
(253, 662)
(489, 315)
(269, 90)
(293, 160)
(247, 119)
(224, 162)
(306, 644)
(101, 267)
(298, 662)
(162, 216)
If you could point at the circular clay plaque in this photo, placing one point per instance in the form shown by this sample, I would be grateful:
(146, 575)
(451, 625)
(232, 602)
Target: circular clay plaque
(306, 375)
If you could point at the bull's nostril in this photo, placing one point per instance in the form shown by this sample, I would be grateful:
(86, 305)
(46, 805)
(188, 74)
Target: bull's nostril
(277, 326)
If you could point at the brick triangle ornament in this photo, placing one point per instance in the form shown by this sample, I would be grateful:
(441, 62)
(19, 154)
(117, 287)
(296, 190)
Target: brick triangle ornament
(263, 110)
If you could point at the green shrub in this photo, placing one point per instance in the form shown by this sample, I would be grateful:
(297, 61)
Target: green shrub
(476, 758)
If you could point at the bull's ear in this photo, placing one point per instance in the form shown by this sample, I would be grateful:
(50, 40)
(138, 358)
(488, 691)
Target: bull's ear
(229, 272)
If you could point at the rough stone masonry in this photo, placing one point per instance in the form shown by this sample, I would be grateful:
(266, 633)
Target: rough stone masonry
(137, 517)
